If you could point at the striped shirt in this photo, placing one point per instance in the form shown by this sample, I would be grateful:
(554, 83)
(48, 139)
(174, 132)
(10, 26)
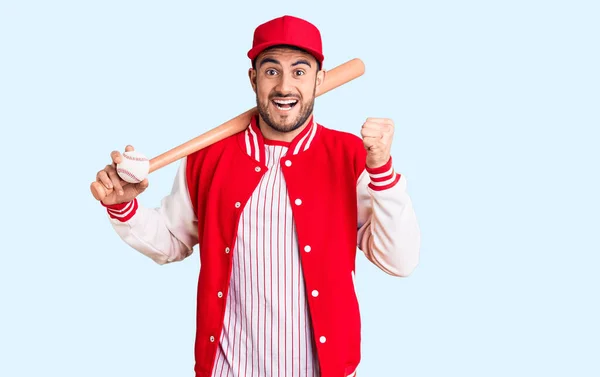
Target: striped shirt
(267, 330)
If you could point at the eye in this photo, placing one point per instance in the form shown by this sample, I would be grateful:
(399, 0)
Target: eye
(300, 72)
(271, 72)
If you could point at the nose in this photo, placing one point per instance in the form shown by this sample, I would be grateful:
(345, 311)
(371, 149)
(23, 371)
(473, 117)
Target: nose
(285, 84)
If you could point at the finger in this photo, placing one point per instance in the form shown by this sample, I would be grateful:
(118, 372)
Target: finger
(98, 190)
(116, 157)
(129, 148)
(380, 120)
(116, 181)
(372, 142)
(103, 178)
(371, 132)
(376, 126)
(385, 133)
(386, 127)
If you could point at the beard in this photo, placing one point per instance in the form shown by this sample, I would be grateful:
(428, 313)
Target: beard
(286, 124)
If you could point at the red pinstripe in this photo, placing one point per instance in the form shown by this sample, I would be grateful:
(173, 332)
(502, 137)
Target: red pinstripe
(267, 298)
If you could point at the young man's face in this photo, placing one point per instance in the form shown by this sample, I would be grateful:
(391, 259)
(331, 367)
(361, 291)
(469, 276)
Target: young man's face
(285, 82)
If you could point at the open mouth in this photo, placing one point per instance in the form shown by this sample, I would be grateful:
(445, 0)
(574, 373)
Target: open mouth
(285, 105)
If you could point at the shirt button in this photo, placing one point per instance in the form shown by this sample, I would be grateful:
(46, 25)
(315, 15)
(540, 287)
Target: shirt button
(237, 204)
(322, 339)
(257, 169)
(288, 163)
(298, 202)
(227, 250)
(315, 293)
(307, 248)
(212, 339)
(220, 294)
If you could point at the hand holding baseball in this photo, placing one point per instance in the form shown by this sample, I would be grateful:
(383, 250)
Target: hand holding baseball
(377, 134)
(121, 186)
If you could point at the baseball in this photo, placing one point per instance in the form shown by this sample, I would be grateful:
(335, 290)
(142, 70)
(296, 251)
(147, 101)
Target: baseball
(134, 167)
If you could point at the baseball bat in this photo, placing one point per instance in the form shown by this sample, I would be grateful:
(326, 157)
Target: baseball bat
(334, 78)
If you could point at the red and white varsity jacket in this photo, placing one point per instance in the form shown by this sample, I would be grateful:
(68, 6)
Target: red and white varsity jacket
(338, 205)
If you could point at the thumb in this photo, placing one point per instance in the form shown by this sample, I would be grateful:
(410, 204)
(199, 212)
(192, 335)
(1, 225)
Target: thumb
(369, 142)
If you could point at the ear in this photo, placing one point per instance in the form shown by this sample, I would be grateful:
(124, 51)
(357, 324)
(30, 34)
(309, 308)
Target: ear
(320, 78)
(252, 77)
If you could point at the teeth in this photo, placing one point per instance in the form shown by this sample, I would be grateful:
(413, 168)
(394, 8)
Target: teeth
(284, 108)
(288, 102)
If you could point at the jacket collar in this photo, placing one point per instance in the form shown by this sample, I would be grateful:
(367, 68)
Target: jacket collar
(253, 142)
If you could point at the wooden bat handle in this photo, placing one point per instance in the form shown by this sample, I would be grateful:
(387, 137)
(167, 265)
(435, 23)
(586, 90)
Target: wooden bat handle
(334, 78)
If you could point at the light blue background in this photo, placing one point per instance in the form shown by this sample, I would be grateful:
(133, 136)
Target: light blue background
(496, 105)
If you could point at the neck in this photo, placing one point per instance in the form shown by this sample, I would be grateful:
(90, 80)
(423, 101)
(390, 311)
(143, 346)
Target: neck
(272, 134)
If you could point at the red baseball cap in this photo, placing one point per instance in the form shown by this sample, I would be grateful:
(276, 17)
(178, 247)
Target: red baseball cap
(287, 30)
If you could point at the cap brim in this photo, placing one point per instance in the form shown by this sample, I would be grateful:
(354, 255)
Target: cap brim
(256, 50)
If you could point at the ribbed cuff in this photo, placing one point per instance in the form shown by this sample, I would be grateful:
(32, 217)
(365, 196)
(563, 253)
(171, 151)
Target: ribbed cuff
(122, 211)
(383, 177)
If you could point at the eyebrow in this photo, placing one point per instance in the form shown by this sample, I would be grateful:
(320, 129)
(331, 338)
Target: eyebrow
(268, 60)
(275, 61)
(301, 61)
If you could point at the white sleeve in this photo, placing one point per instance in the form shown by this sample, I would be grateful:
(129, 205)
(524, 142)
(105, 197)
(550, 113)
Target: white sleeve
(388, 232)
(165, 234)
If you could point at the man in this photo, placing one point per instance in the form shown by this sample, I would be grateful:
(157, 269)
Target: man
(278, 212)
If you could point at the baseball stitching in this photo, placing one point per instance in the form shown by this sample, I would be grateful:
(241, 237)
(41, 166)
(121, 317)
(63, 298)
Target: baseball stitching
(134, 158)
(128, 173)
